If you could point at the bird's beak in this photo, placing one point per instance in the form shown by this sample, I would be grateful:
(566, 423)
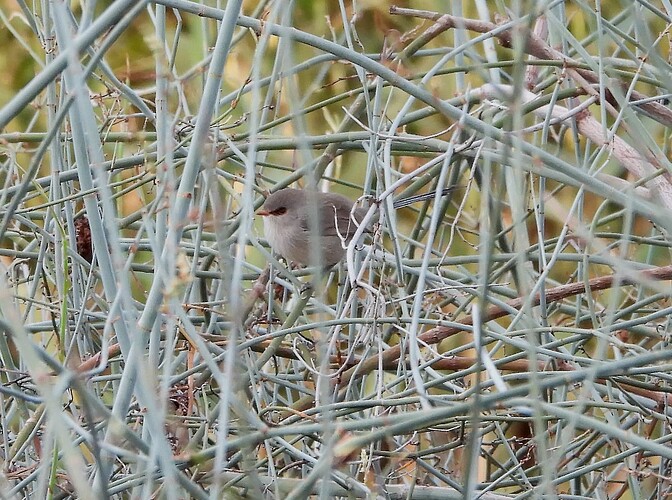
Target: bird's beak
(263, 213)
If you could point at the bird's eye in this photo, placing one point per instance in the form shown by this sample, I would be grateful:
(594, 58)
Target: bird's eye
(279, 211)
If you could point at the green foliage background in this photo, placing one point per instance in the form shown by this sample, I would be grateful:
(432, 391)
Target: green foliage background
(507, 340)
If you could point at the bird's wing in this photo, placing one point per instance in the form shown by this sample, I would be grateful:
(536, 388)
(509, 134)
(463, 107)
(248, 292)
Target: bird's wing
(335, 212)
(346, 226)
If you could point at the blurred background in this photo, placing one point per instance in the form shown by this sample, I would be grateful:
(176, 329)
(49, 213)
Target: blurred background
(509, 339)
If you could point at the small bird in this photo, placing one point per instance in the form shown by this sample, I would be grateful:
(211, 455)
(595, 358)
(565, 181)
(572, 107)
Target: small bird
(288, 223)
(295, 219)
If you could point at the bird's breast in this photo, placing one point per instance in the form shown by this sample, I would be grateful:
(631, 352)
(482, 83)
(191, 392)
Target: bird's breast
(286, 238)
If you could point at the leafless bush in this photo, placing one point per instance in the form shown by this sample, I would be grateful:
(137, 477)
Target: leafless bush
(506, 339)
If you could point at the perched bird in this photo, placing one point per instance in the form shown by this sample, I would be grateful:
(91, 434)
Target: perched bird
(295, 220)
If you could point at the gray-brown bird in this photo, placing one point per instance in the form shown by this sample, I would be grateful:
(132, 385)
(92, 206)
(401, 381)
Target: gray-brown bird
(295, 220)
